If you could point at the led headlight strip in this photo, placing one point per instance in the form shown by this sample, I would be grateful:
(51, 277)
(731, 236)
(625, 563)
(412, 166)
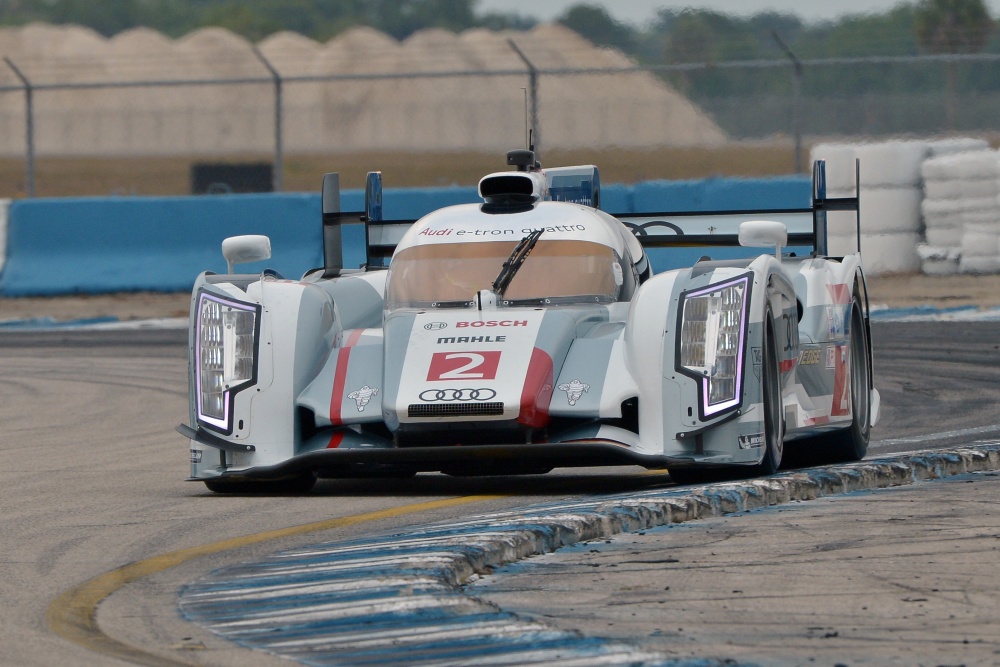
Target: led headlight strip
(225, 356)
(711, 346)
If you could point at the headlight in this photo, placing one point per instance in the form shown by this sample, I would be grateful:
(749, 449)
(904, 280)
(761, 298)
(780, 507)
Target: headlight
(225, 356)
(711, 345)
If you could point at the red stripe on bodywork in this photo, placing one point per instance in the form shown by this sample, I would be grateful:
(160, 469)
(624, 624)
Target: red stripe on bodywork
(340, 376)
(841, 384)
(841, 294)
(335, 440)
(537, 392)
(787, 365)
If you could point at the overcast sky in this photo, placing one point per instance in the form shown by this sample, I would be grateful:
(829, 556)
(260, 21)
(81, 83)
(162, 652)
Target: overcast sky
(641, 11)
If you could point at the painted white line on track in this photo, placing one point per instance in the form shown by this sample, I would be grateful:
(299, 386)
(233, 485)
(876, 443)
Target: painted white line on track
(935, 437)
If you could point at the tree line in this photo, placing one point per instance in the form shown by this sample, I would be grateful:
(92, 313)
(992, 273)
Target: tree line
(689, 35)
(673, 37)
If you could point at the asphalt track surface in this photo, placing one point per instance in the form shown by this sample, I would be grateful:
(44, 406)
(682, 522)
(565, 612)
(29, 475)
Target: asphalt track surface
(95, 509)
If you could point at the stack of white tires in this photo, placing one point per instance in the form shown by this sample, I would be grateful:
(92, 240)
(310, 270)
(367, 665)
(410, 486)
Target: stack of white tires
(893, 178)
(961, 213)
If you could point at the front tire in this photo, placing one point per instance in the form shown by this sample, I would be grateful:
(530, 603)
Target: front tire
(774, 425)
(774, 418)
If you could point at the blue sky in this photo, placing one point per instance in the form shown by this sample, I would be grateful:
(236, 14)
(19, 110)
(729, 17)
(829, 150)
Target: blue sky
(640, 11)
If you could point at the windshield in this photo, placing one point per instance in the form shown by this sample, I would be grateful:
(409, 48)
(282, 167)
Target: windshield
(452, 273)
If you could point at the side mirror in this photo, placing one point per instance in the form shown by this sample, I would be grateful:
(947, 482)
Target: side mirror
(243, 249)
(764, 234)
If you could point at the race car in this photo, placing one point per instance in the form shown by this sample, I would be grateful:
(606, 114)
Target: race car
(530, 331)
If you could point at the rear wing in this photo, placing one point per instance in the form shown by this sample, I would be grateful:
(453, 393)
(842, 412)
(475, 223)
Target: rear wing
(807, 227)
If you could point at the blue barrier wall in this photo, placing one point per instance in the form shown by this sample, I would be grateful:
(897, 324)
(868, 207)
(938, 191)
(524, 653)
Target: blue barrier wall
(120, 244)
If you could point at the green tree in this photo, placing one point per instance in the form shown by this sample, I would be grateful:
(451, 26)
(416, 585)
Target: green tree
(402, 18)
(953, 27)
(595, 24)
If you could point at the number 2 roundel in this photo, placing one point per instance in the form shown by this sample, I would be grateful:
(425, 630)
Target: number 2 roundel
(463, 366)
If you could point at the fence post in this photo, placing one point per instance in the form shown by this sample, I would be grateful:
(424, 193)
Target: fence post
(29, 126)
(277, 176)
(533, 94)
(796, 100)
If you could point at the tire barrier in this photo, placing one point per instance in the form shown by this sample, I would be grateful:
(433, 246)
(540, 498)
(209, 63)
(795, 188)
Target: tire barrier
(961, 213)
(913, 194)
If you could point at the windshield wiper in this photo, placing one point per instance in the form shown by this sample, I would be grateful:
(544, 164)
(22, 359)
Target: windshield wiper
(514, 262)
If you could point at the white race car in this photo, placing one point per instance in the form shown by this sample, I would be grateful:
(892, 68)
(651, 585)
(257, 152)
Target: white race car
(530, 332)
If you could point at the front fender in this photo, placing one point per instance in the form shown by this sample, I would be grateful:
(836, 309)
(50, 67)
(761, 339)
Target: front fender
(297, 327)
(670, 418)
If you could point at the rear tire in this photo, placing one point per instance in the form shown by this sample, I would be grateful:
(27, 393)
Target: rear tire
(851, 444)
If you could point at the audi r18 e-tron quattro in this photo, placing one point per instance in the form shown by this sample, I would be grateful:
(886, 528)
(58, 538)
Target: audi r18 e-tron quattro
(530, 331)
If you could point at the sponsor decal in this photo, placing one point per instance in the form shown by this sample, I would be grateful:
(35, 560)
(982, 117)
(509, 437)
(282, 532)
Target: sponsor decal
(841, 385)
(471, 339)
(483, 232)
(195, 456)
(436, 326)
(756, 356)
(574, 390)
(831, 357)
(362, 397)
(480, 232)
(461, 395)
(491, 323)
(835, 315)
(809, 357)
(463, 366)
(751, 441)
(559, 228)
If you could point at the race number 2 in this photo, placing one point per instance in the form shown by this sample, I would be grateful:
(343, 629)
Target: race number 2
(463, 366)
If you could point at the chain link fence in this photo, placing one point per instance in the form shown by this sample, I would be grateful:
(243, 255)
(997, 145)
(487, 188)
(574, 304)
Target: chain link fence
(262, 107)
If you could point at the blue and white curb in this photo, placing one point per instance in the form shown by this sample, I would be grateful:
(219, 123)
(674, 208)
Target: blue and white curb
(93, 324)
(397, 599)
(934, 314)
(4, 214)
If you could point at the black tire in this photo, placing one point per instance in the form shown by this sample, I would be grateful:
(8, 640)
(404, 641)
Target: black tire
(774, 418)
(292, 485)
(851, 444)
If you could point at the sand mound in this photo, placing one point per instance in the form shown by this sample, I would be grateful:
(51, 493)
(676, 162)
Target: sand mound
(369, 105)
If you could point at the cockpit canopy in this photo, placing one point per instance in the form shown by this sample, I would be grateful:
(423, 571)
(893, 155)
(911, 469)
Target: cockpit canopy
(557, 271)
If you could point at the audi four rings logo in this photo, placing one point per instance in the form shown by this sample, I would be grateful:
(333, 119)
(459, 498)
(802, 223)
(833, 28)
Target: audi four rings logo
(435, 326)
(449, 395)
